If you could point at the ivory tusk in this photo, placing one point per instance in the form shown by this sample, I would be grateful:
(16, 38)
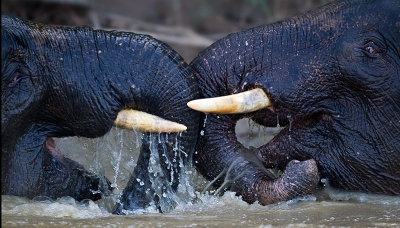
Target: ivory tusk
(244, 102)
(144, 122)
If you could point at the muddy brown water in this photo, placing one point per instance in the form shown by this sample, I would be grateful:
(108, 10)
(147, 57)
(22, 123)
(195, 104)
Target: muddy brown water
(114, 156)
(334, 209)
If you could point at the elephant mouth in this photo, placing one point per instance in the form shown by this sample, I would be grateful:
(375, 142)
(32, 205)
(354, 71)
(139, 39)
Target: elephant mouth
(51, 146)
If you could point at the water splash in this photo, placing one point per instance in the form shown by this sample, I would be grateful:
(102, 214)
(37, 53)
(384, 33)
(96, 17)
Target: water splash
(62, 207)
(160, 183)
(114, 156)
(228, 179)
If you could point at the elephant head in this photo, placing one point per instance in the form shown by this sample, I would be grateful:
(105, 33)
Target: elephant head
(331, 76)
(61, 81)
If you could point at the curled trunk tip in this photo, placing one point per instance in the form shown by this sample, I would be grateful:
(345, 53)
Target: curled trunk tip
(298, 179)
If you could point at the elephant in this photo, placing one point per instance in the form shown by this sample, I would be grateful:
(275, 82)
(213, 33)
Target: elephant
(77, 81)
(330, 77)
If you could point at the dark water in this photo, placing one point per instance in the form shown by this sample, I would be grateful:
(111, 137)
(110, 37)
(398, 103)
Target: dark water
(114, 156)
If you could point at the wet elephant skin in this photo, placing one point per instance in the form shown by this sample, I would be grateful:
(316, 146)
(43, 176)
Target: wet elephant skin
(333, 78)
(62, 81)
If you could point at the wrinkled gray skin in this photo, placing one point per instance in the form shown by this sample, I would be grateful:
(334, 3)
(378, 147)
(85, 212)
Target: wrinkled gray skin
(60, 82)
(333, 78)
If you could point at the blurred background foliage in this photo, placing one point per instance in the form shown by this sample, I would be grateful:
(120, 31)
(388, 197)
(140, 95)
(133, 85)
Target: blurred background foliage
(188, 26)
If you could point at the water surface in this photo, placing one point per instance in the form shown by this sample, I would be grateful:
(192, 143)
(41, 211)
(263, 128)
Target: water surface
(328, 208)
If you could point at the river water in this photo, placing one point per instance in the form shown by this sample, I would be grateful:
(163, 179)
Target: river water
(328, 208)
(114, 156)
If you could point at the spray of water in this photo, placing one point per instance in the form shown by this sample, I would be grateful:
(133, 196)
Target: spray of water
(114, 156)
(228, 179)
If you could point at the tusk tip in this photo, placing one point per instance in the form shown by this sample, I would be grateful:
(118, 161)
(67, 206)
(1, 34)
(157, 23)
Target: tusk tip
(202, 105)
(180, 127)
(192, 104)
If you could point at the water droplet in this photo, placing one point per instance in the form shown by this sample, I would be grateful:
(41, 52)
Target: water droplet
(205, 121)
(137, 139)
(277, 121)
(289, 116)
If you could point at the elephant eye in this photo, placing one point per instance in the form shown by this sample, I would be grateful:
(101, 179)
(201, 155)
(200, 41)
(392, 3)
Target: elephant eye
(371, 50)
(18, 76)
